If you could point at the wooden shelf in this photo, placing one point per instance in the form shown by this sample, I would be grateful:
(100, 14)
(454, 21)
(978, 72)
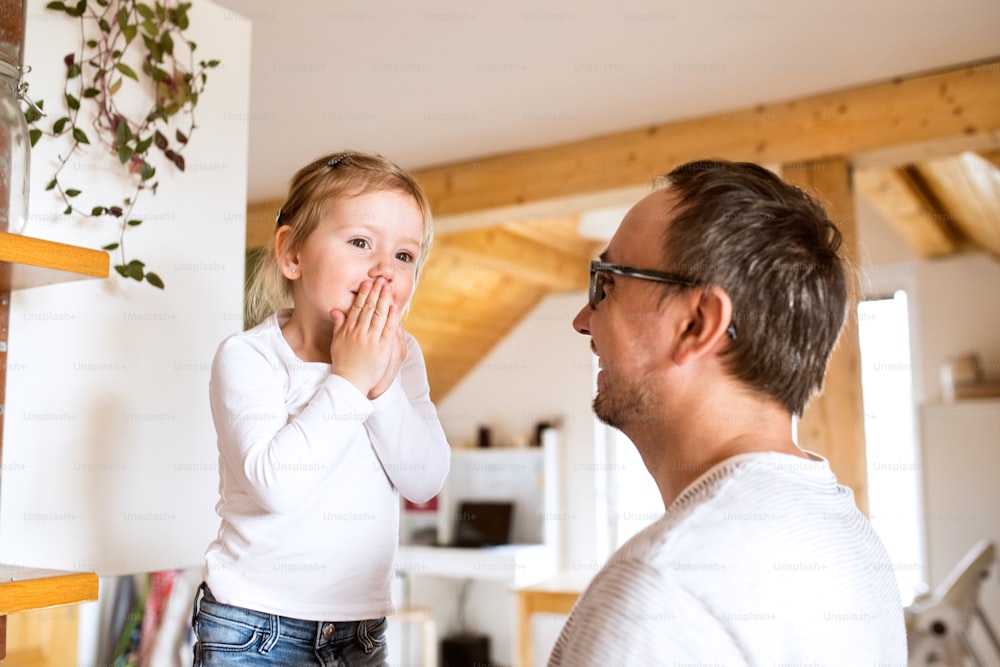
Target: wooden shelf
(29, 262)
(28, 588)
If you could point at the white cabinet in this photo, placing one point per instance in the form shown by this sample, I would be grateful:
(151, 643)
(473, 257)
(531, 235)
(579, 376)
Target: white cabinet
(961, 472)
(473, 587)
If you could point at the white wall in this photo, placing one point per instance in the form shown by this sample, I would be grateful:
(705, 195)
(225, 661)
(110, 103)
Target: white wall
(109, 450)
(542, 371)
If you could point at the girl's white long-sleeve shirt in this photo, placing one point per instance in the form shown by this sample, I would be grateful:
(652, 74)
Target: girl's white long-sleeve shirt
(309, 475)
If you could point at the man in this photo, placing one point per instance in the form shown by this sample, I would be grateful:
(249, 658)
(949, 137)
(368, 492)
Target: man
(713, 311)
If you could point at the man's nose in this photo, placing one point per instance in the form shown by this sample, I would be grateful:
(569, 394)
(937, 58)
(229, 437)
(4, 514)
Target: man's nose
(582, 320)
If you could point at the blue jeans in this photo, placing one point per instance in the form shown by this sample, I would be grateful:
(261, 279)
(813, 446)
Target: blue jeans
(233, 636)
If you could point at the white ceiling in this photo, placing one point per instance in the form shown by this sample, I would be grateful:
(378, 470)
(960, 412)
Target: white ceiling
(437, 81)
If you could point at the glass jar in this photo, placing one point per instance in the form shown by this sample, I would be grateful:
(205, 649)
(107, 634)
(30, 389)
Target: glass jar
(15, 152)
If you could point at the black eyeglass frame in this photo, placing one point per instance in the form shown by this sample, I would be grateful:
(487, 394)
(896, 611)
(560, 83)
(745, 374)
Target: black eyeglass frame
(596, 291)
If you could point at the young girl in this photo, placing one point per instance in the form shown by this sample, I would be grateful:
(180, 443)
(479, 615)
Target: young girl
(323, 417)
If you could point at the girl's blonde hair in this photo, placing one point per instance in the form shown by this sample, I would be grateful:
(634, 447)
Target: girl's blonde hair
(337, 175)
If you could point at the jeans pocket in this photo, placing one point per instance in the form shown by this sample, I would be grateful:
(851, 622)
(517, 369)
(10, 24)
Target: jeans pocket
(371, 634)
(218, 634)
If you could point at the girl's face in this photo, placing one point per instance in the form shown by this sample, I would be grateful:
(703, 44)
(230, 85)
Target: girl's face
(359, 238)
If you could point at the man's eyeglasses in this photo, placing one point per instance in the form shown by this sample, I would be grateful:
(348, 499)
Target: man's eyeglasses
(598, 276)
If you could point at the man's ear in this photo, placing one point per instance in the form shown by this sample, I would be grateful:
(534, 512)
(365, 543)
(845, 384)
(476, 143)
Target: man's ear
(288, 262)
(710, 311)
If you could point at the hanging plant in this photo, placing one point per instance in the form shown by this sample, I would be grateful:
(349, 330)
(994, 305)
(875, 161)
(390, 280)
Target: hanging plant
(128, 50)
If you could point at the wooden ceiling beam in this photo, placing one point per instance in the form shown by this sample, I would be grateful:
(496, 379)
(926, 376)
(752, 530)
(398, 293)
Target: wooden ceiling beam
(956, 102)
(453, 344)
(832, 424)
(992, 156)
(907, 209)
(510, 254)
(567, 178)
(969, 188)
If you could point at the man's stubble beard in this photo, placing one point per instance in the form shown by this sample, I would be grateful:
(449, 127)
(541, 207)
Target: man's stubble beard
(622, 403)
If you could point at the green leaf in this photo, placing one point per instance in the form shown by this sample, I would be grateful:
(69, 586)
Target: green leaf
(147, 171)
(125, 153)
(78, 10)
(73, 192)
(122, 269)
(34, 135)
(154, 280)
(80, 136)
(154, 49)
(52, 184)
(130, 31)
(31, 115)
(160, 75)
(122, 18)
(167, 43)
(180, 17)
(56, 5)
(134, 223)
(68, 211)
(60, 125)
(144, 11)
(124, 131)
(134, 270)
(126, 70)
(104, 25)
(72, 102)
(73, 71)
(91, 92)
(97, 210)
(110, 246)
(150, 27)
(91, 43)
(142, 147)
(214, 63)
(115, 87)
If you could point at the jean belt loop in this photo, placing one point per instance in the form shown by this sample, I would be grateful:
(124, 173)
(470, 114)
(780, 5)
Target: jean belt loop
(198, 596)
(363, 637)
(273, 632)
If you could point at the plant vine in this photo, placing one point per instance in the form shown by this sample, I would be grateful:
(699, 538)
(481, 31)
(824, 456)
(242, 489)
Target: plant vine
(117, 37)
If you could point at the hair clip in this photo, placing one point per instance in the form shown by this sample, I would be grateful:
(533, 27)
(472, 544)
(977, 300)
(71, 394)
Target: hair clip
(336, 159)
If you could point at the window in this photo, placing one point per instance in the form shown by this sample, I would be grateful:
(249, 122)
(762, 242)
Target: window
(634, 502)
(894, 500)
